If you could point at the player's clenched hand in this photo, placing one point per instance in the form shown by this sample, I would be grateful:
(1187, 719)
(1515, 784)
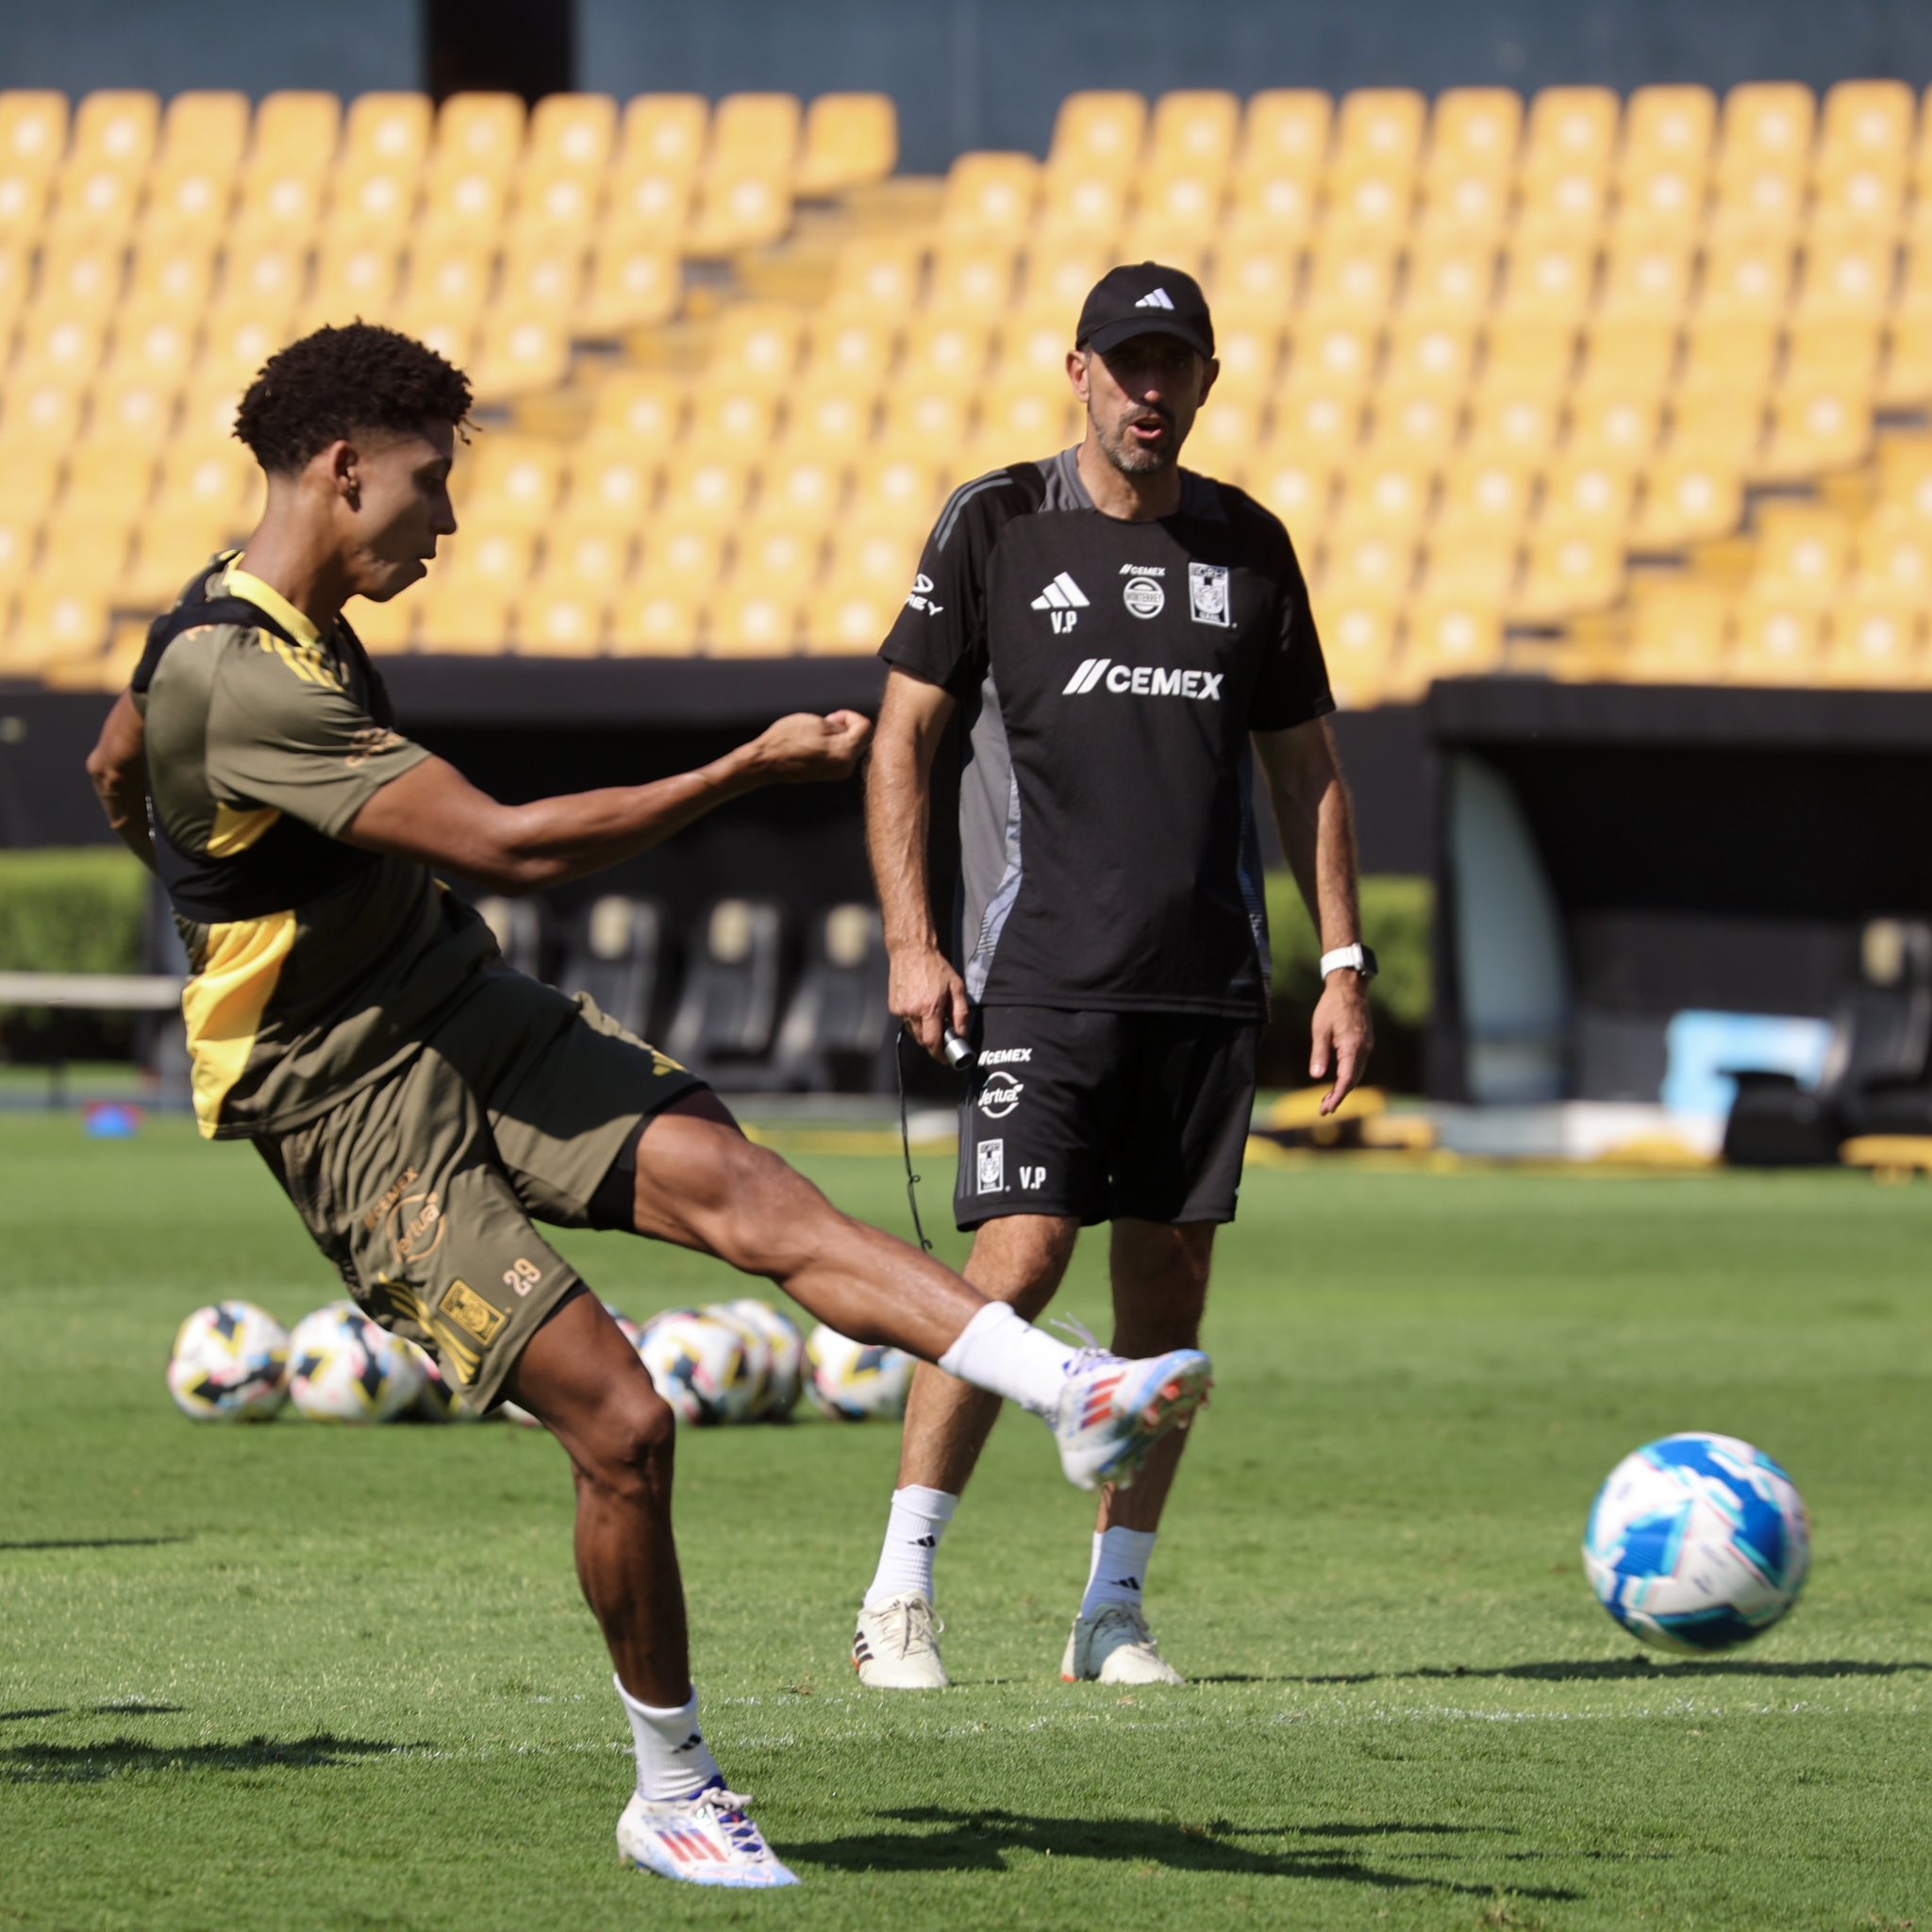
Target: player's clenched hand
(1343, 1036)
(805, 748)
(929, 996)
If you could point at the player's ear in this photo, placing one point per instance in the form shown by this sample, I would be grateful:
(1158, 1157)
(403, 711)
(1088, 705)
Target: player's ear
(1211, 369)
(1078, 362)
(341, 464)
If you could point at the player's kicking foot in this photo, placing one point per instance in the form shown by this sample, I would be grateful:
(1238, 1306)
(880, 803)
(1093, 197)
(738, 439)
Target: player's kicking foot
(1113, 1411)
(1115, 1646)
(896, 1646)
(704, 1840)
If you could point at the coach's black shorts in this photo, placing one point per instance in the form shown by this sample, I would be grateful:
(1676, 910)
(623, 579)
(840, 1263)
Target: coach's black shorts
(1094, 1115)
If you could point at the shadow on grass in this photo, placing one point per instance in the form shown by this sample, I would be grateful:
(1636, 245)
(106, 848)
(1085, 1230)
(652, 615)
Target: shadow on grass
(1603, 1670)
(99, 1542)
(984, 1840)
(90, 1764)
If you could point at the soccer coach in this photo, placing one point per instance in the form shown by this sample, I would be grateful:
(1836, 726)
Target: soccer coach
(1116, 632)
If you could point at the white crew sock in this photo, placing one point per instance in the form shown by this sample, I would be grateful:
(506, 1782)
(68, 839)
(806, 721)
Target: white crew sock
(1118, 1574)
(997, 1351)
(913, 1531)
(674, 1760)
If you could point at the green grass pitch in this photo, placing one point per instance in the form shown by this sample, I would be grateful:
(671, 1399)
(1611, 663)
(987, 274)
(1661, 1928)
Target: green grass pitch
(296, 1677)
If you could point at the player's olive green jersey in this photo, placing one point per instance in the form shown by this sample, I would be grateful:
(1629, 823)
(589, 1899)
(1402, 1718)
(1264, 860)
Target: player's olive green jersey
(317, 966)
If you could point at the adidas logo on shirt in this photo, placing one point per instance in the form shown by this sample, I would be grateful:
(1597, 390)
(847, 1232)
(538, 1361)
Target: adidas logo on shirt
(1159, 299)
(1064, 600)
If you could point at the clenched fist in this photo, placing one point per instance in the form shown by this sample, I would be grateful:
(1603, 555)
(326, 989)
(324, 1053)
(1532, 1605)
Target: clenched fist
(806, 749)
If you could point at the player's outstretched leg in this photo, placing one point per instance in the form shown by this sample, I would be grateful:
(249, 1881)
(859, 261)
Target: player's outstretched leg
(703, 1185)
(585, 1381)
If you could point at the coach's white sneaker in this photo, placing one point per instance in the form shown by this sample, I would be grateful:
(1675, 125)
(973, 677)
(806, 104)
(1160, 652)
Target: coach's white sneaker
(704, 1841)
(896, 1646)
(1113, 1411)
(1115, 1646)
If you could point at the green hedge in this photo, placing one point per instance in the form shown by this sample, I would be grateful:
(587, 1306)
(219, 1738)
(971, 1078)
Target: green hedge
(76, 911)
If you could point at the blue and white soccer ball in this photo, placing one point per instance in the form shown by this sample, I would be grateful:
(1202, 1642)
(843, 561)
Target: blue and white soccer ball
(855, 1381)
(229, 1363)
(697, 1365)
(783, 1354)
(1697, 1543)
(343, 1368)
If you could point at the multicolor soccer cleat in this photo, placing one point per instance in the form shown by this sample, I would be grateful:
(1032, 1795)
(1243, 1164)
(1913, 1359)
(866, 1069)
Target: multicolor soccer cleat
(1115, 1646)
(1113, 1411)
(708, 1840)
(896, 1646)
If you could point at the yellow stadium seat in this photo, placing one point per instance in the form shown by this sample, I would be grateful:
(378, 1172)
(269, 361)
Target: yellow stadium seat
(24, 199)
(297, 121)
(1774, 641)
(1055, 282)
(780, 552)
(571, 134)
(31, 469)
(838, 415)
(1475, 128)
(377, 198)
(852, 348)
(850, 140)
(1454, 636)
(1737, 357)
(280, 198)
(647, 204)
(1905, 381)
(594, 562)
(1379, 128)
(1686, 498)
(1572, 200)
(1767, 121)
(850, 616)
(237, 341)
(204, 138)
(1678, 631)
(1803, 553)
(353, 276)
(169, 547)
(1035, 348)
(479, 134)
(638, 411)
(1631, 355)
(991, 194)
(804, 487)
(1833, 348)
(752, 620)
(1370, 204)
(452, 269)
(656, 620)
(976, 275)
(180, 269)
(711, 488)
(519, 352)
(134, 412)
(1427, 423)
(1769, 200)
(1488, 499)
(1660, 191)
(1816, 426)
(558, 618)
(34, 125)
(1848, 275)
(1894, 556)
(1512, 422)
(1382, 493)
(81, 276)
(880, 553)
(542, 277)
(1746, 278)
(1099, 134)
(1549, 275)
(1249, 352)
(884, 275)
(632, 285)
(1435, 355)
(1722, 425)
(1616, 421)
(509, 477)
(1569, 125)
(466, 620)
(901, 488)
(1254, 284)
(1866, 199)
(1337, 354)
(1877, 642)
(1287, 131)
(208, 419)
(1023, 419)
(1360, 632)
(1270, 211)
(489, 552)
(728, 415)
(42, 405)
(116, 127)
(463, 205)
(217, 481)
(1587, 493)
(1648, 275)
(66, 348)
(1465, 205)
(1171, 213)
(1450, 281)
(1529, 355)
(1350, 278)
(758, 344)
(613, 483)
(1470, 566)
(546, 207)
(95, 199)
(1905, 478)
(1082, 204)
(1360, 560)
(1194, 129)
(683, 557)
(947, 351)
(387, 130)
(667, 134)
(739, 211)
(756, 133)
(53, 621)
(1865, 121)
(1678, 121)
(1320, 418)
(1567, 573)
(1226, 435)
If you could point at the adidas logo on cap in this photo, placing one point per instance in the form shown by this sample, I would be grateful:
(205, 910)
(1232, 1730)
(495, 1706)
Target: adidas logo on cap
(1159, 298)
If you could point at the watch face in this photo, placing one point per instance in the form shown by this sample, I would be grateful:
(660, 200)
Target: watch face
(1369, 967)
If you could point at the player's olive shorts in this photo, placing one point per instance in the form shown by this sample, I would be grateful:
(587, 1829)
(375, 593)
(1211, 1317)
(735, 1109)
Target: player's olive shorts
(1094, 1115)
(522, 1106)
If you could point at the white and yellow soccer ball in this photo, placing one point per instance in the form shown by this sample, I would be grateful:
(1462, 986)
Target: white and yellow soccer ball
(784, 1350)
(229, 1364)
(345, 1369)
(697, 1365)
(438, 1400)
(855, 1381)
(746, 1403)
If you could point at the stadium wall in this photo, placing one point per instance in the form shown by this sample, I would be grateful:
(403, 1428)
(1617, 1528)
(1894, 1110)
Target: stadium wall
(990, 74)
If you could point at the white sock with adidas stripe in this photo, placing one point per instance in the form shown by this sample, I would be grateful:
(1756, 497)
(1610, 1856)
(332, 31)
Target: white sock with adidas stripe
(674, 1760)
(913, 1531)
(1118, 1574)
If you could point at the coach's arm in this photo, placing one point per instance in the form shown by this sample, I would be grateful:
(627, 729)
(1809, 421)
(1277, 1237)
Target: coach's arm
(1316, 820)
(117, 768)
(432, 812)
(925, 990)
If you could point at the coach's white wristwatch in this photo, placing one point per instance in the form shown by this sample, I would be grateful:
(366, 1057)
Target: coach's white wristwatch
(1358, 956)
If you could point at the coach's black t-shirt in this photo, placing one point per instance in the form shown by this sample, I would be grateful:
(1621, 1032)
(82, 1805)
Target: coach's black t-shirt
(1109, 672)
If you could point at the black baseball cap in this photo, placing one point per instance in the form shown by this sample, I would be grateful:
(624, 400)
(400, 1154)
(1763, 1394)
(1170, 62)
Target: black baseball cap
(1144, 299)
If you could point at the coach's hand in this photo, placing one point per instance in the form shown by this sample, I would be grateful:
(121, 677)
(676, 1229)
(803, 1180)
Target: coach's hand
(805, 748)
(929, 996)
(1343, 1036)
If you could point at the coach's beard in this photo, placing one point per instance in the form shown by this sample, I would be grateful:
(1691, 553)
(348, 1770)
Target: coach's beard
(1137, 459)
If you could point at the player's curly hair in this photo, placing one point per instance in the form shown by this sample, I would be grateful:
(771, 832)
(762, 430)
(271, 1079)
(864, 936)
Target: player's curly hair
(330, 384)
